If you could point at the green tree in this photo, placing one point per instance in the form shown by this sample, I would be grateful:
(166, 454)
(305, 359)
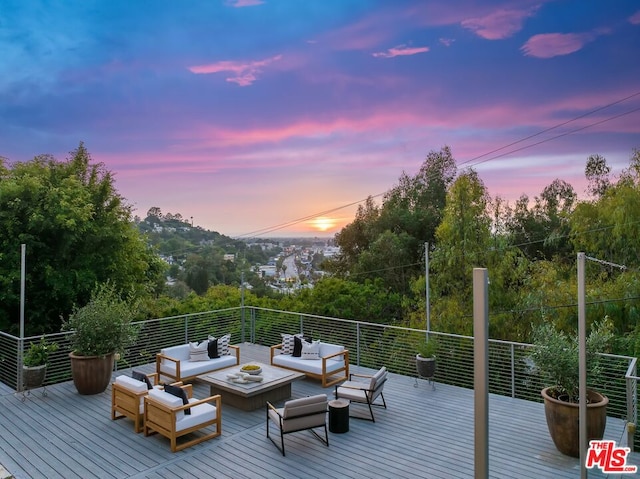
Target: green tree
(78, 233)
(463, 242)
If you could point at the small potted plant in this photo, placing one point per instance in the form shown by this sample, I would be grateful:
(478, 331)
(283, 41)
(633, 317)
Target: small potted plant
(555, 357)
(426, 357)
(101, 329)
(34, 362)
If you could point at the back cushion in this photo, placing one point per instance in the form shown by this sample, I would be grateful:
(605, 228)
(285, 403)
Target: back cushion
(378, 376)
(177, 352)
(327, 349)
(131, 384)
(165, 398)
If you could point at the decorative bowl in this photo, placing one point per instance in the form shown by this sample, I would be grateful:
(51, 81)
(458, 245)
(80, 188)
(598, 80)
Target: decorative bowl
(252, 369)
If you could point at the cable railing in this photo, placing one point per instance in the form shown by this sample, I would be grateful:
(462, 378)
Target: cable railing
(370, 345)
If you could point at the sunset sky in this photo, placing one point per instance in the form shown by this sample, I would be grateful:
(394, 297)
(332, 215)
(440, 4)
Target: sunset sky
(249, 115)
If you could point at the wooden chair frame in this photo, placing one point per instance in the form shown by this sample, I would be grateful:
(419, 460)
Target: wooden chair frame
(126, 403)
(178, 375)
(160, 418)
(327, 378)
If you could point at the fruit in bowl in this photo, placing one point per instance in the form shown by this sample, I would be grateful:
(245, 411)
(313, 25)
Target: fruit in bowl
(251, 369)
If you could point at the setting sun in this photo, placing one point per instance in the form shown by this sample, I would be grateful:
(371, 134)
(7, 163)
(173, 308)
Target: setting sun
(322, 223)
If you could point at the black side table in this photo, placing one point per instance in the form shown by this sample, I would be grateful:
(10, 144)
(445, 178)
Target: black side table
(339, 415)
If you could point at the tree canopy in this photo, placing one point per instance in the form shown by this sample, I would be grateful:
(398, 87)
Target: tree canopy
(78, 233)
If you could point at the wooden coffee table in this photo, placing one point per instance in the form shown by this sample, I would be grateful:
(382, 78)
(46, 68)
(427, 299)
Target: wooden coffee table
(250, 396)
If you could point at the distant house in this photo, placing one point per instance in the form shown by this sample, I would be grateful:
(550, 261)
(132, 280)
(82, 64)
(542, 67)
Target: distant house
(267, 271)
(229, 257)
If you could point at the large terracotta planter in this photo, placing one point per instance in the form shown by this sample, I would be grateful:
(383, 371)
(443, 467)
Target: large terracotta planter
(91, 374)
(564, 425)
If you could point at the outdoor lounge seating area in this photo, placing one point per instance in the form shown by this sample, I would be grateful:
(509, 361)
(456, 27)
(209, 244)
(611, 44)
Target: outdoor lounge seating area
(422, 433)
(177, 363)
(328, 363)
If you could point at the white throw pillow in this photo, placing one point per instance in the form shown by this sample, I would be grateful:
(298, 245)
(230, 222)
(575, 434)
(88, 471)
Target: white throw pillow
(310, 350)
(199, 352)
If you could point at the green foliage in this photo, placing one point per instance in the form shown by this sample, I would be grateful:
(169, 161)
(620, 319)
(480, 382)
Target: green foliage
(103, 325)
(555, 356)
(78, 232)
(38, 353)
(427, 348)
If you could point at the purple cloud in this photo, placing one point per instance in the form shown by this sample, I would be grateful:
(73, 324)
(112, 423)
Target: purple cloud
(500, 24)
(244, 73)
(635, 18)
(548, 45)
(400, 50)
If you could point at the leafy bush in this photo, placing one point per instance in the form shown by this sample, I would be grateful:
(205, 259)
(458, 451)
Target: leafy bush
(427, 348)
(38, 353)
(555, 356)
(103, 325)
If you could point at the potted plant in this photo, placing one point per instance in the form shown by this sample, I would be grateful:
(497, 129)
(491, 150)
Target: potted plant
(426, 357)
(34, 363)
(555, 357)
(101, 329)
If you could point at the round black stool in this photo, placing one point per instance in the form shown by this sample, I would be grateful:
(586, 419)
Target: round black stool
(339, 415)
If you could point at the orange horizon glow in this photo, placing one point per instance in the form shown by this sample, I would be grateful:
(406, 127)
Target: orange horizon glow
(323, 223)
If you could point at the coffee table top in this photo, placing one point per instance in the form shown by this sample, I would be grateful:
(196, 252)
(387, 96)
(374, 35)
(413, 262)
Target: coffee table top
(274, 377)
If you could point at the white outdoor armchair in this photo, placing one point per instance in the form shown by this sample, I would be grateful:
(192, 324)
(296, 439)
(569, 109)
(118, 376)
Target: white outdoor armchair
(298, 415)
(365, 390)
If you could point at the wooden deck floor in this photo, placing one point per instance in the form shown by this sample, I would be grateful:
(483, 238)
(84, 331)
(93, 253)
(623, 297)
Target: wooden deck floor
(422, 434)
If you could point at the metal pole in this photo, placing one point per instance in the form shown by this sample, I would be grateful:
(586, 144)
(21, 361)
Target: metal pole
(481, 371)
(582, 370)
(242, 305)
(427, 306)
(23, 268)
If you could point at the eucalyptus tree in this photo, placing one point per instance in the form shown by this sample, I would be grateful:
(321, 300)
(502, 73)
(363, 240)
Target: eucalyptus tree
(407, 218)
(463, 243)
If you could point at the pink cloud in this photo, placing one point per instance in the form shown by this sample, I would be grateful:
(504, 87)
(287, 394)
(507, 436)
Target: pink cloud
(500, 24)
(400, 50)
(548, 45)
(244, 73)
(243, 3)
(635, 18)
(447, 42)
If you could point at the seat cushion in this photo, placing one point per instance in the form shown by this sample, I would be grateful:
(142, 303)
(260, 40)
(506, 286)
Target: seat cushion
(199, 414)
(194, 368)
(356, 395)
(313, 366)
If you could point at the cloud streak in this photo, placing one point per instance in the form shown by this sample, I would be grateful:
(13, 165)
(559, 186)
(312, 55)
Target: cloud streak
(244, 73)
(400, 50)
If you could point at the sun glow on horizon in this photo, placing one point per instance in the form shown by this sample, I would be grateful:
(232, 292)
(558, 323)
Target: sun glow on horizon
(322, 223)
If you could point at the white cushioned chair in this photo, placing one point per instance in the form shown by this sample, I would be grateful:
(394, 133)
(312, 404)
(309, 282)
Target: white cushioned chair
(127, 398)
(298, 415)
(164, 413)
(365, 389)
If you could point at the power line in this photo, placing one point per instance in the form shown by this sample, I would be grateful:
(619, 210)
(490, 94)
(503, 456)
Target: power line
(622, 100)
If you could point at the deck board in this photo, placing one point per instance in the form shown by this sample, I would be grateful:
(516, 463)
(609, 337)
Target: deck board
(423, 433)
